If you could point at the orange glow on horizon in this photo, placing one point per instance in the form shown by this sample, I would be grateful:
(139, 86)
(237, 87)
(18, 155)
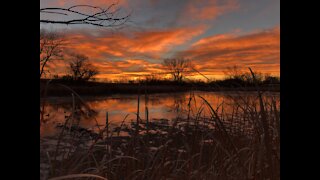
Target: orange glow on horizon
(211, 56)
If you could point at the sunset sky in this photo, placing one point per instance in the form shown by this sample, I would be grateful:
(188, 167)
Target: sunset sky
(214, 34)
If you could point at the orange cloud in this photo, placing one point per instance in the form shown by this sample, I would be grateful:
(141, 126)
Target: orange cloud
(122, 54)
(138, 54)
(259, 50)
(151, 44)
(113, 70)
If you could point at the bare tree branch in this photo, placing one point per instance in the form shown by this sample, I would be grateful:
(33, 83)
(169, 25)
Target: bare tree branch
(51, 48)
(81, 69)
(101, 17)
(177, 67)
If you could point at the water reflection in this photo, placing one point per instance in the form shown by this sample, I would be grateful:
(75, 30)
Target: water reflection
(160, 106)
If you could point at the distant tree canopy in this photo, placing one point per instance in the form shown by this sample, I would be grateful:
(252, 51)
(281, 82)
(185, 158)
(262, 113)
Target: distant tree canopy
(271, 80)
(237, 77)
(51, 48)
(81, 69)
(177, 67)
(235, 72)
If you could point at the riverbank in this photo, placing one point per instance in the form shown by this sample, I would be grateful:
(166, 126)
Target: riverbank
(94, 88)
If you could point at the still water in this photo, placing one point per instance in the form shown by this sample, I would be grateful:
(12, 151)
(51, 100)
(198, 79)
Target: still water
(123, 108)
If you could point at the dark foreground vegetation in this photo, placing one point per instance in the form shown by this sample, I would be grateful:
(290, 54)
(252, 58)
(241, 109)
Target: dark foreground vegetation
(244, 144)
(153, 86)
(205, 143)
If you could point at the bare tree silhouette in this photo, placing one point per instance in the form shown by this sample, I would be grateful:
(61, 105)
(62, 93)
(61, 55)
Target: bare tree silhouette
(81, 69)
(234, 72)
(79, 14)
(51, 46)
(177, 67)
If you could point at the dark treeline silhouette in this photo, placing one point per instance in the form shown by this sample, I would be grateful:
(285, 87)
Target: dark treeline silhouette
(243, 82)
(227, 82)
(152, 85)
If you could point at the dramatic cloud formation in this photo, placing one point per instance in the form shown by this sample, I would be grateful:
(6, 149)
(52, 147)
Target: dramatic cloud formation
(259, 50)
(142, 53)
(214, 34)
(151, 44)
(123, 54)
